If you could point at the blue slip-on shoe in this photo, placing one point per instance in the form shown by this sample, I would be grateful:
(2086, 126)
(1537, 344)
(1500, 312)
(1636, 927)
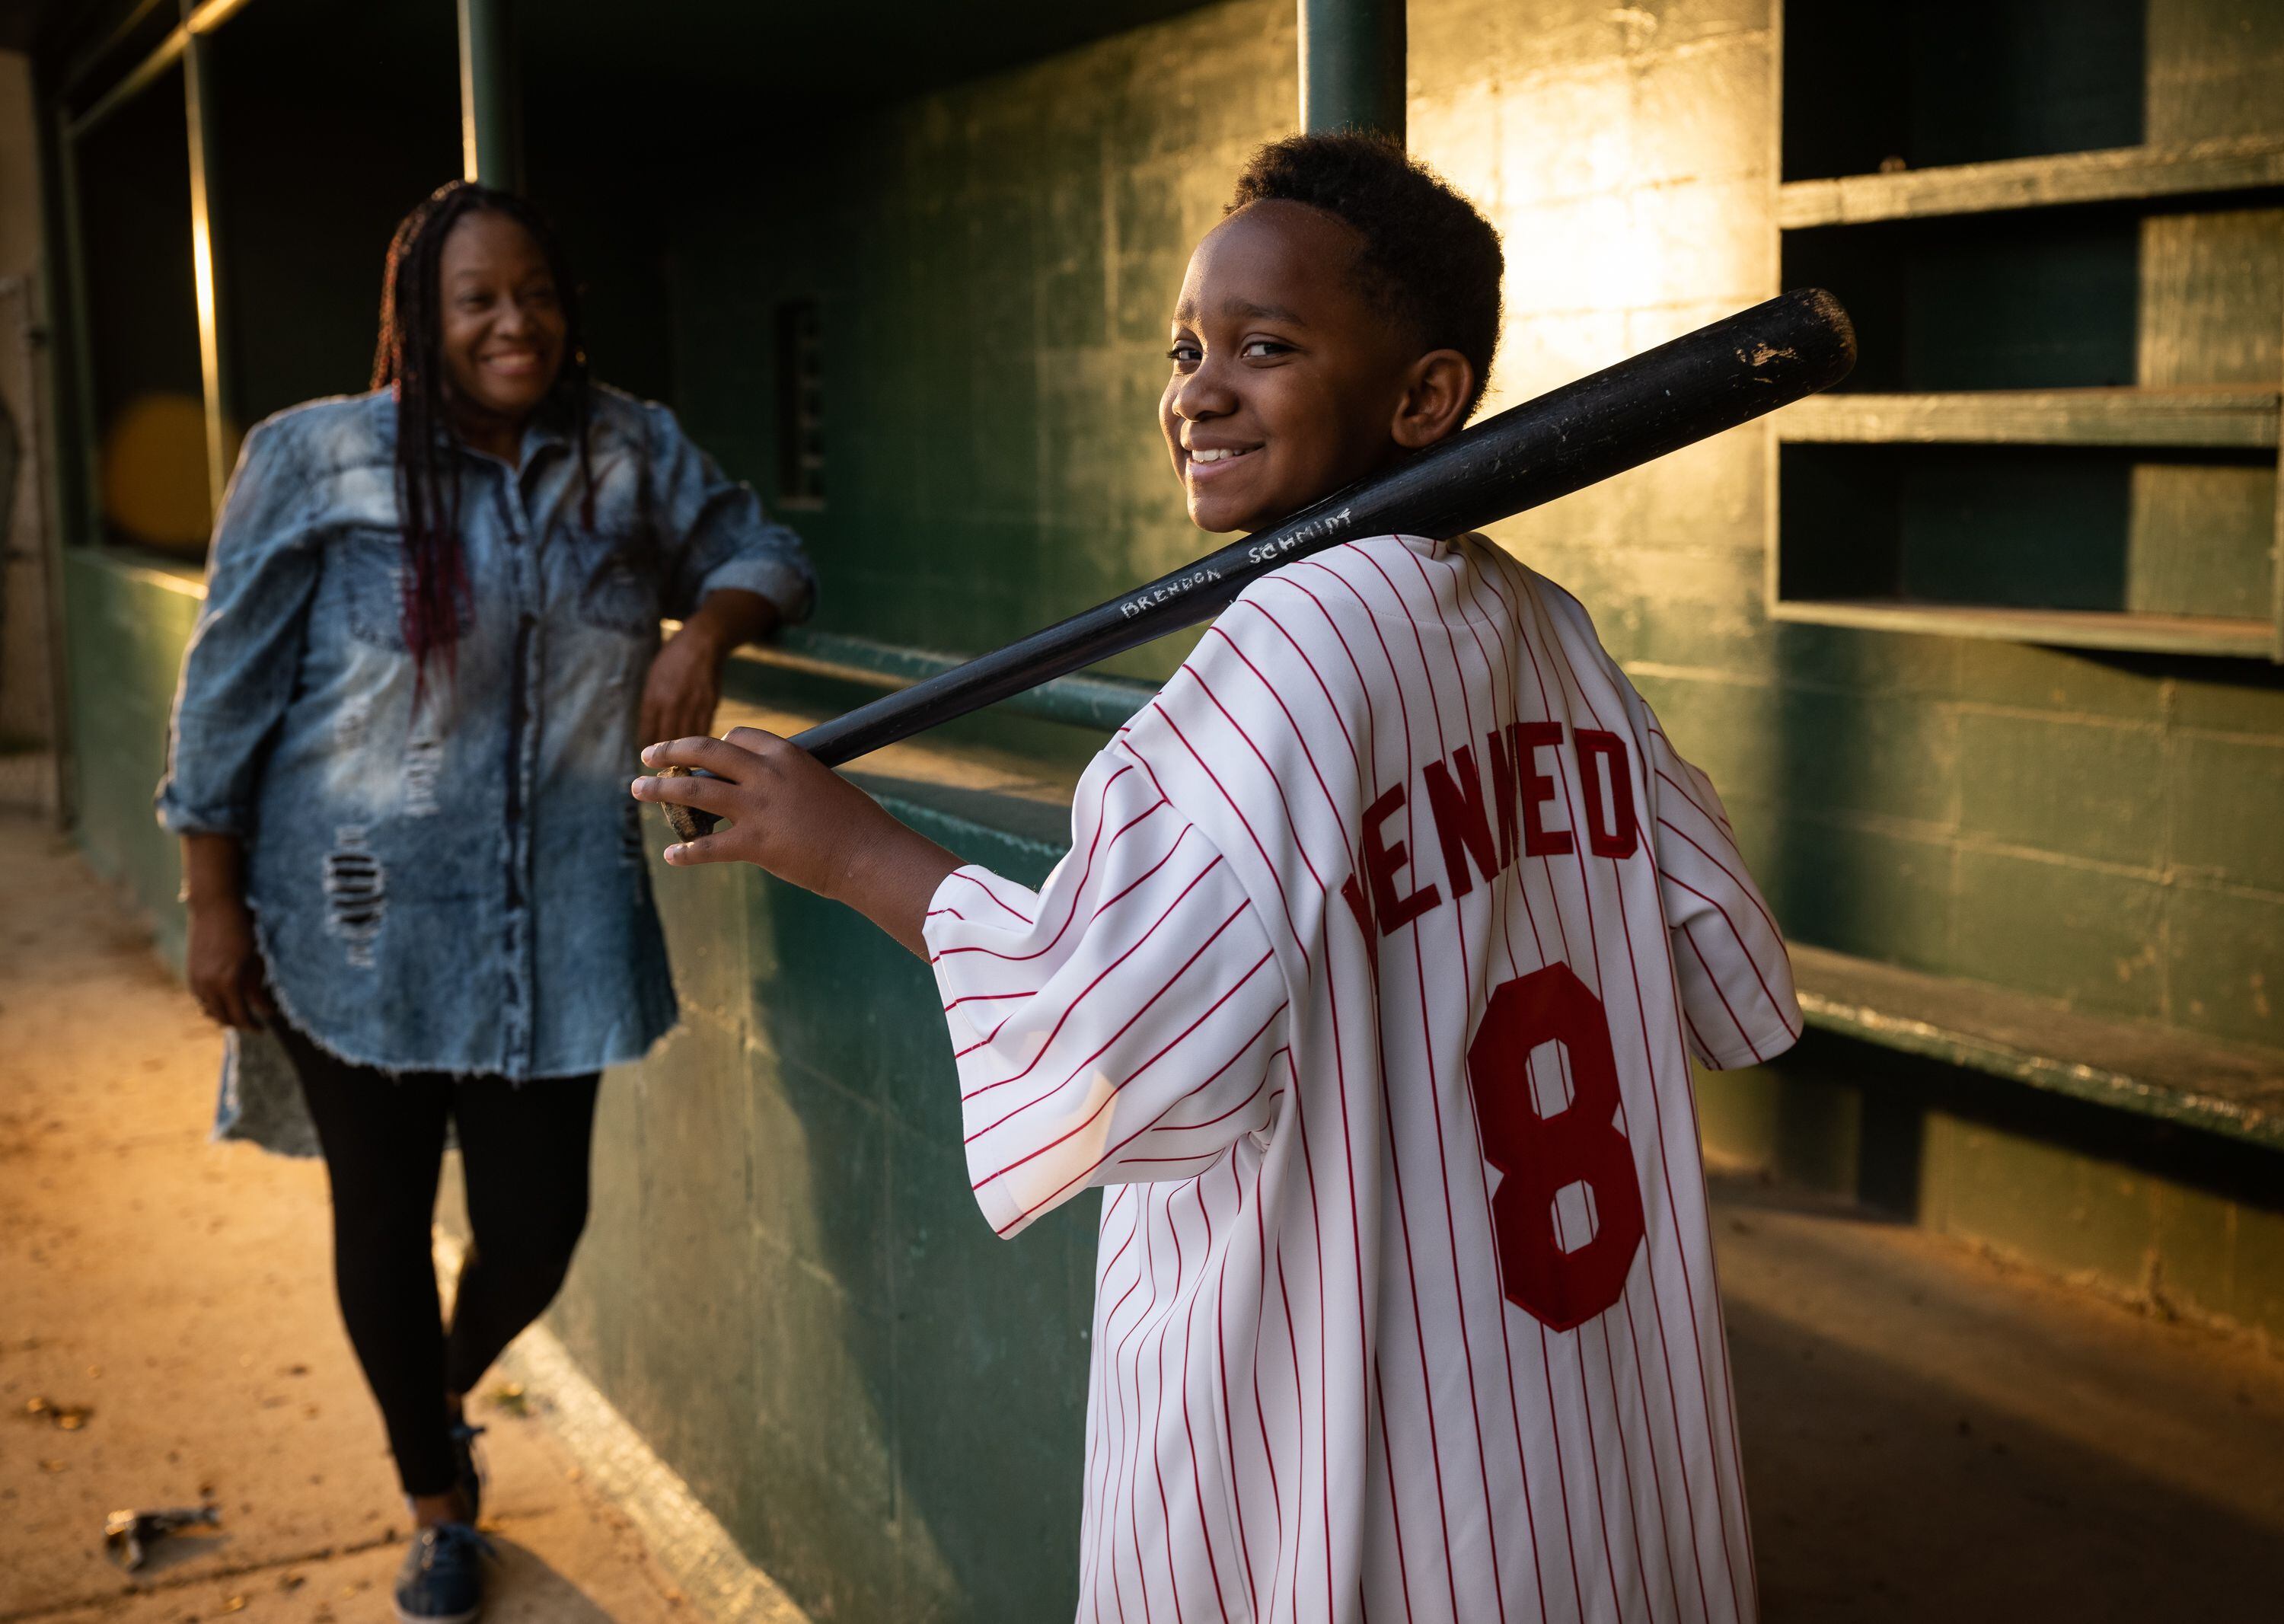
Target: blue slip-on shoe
(442, 1579)
(467, 1474)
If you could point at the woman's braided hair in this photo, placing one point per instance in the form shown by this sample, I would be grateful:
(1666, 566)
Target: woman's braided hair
(409, 361)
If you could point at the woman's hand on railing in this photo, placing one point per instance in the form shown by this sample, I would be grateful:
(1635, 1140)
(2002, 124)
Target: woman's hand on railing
(684, 683)
(684, 686)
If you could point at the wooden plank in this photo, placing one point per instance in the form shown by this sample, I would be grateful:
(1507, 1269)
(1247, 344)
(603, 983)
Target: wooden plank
(2234, 163)
(2090, 629)
(2228, 418)
(2226, 1088)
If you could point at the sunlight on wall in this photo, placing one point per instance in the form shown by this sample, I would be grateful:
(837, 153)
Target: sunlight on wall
(1624, 158)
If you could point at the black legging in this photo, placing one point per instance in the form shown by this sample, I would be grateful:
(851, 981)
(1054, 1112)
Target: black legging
(523, 1153)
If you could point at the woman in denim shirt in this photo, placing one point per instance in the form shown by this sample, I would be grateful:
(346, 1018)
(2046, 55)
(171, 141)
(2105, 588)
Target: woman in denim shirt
(428, 656)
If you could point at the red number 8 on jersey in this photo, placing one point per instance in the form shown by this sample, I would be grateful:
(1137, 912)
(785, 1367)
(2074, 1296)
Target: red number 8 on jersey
(1543, 1156)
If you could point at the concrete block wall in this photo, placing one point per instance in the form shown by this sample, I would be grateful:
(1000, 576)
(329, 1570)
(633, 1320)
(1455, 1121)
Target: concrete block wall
(996, 266)
(2096, 829)
(786, 1285)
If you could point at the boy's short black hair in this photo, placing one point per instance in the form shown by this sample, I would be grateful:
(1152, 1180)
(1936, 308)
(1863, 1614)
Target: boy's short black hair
(1429, 258)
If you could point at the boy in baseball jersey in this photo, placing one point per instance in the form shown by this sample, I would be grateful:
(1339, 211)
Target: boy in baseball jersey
(1367, 994)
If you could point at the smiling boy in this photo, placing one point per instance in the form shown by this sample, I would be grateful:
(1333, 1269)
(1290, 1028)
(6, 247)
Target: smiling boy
(1367, 991)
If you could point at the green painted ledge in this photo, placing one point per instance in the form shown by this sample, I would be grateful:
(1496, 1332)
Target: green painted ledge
(2232, 1090)
(1103, 702)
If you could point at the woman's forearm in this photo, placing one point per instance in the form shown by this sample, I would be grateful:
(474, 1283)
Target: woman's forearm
(213, 870)
(731, 617)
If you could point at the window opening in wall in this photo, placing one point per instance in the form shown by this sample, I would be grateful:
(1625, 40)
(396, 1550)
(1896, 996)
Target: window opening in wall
(372, 94)
(2059, 226)
(146, 401)
(800, 405)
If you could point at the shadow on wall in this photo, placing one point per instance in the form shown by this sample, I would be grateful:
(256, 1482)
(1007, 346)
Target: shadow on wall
(787, 1287)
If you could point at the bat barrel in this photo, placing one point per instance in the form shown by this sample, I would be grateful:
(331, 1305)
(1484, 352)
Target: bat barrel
(1738, 369)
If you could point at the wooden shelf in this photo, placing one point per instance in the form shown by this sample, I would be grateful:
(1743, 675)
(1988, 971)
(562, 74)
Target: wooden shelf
(2200, 1083)
(2119, 174)
(2224, 418)
(2087, 629)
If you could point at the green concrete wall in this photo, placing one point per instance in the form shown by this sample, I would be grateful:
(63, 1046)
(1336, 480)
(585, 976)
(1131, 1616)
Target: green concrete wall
(995, 265)
(786, 1285)
(125, 627)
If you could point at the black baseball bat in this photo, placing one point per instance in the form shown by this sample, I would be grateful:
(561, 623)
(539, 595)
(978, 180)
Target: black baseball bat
(1617, 418)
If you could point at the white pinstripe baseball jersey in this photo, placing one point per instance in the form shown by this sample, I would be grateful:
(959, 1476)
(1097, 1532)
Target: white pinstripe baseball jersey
(1366, 990)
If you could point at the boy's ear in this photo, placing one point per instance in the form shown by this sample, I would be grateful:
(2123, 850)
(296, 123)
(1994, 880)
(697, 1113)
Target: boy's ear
(1435, 391)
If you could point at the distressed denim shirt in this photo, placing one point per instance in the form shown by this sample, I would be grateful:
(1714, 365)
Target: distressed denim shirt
(460, 888)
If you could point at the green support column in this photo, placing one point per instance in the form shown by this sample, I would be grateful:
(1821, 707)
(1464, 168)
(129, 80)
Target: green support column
(214, 367)
(491, 132)
(76, 444)
(1352, 56)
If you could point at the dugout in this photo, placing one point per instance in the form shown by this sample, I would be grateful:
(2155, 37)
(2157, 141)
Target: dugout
(1983, 650)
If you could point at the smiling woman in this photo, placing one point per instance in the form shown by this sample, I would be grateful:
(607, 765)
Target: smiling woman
(428, 653)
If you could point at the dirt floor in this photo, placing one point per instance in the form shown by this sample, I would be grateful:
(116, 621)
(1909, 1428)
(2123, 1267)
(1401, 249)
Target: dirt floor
(168, 1301)
(1929, 1436)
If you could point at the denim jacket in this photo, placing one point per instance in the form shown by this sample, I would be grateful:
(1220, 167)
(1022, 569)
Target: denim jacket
(462, 888)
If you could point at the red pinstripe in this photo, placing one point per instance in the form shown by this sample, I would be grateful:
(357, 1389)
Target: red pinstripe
(1332, 1003)
(1436, 1448)
(1131, 1021)
(1666, 1168)
(1758, 906)
(1158, 1456)
(1111, 1154)
(1189, 1335)
(1491, 674)
(1175, 728)
(1586, 895)
(1094, 850)
(1435, 1098)
(1028, 992)
(1228, 1424)
(1546, 1355)
(995, 896)
(1723, 996)
(1745, 949)
(1072, 1008)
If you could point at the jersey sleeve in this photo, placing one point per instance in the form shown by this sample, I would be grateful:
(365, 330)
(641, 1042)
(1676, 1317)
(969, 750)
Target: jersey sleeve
(1737, 1002)
(1124, 1024)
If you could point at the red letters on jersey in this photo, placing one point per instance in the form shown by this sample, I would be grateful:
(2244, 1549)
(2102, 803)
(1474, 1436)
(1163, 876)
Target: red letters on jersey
(1463, 820)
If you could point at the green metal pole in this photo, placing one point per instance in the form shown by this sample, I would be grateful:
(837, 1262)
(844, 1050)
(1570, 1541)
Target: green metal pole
(81, 462)
(213, 361)
(491, 125)
(1352, 66)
